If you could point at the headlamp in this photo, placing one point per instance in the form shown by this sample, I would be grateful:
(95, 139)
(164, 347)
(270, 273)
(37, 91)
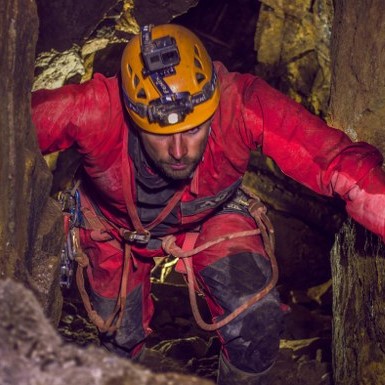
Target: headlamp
(172, 108)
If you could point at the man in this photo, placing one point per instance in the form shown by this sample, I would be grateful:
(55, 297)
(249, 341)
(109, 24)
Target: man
(173, 166)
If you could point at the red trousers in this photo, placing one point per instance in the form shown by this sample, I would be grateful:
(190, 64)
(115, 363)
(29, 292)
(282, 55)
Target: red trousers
(230, 272)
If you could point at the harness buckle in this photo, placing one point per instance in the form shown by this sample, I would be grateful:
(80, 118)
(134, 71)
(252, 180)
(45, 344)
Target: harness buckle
(135, 237)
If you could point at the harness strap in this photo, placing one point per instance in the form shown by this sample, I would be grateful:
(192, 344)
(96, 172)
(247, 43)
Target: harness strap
(180, 267)
(129, 198)
(167, 210)
(83, 261)
(100, 227)
(98, 224)
(114, 320)
(188, 244)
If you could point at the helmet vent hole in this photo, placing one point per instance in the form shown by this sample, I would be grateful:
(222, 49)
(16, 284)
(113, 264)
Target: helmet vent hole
(136, 81)
(197, 63)
(141, 94)
(200, 77)
(129, 70)
(196, 51)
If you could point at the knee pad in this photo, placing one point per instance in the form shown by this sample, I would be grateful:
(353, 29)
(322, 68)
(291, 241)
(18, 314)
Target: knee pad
(251, 340)
(131, 333)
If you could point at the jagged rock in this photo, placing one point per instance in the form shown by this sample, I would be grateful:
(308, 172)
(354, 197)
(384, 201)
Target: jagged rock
(358, 265)
(160, 11)
(292, 43)
(33, 353)
(29, 221)
(356, 98)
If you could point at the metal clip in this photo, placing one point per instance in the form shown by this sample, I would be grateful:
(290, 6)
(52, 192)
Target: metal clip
(135, 237)
(70, 203)
(66, 269)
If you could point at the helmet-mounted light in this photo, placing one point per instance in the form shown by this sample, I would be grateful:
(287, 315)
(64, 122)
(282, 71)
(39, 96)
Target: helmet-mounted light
(172, 108)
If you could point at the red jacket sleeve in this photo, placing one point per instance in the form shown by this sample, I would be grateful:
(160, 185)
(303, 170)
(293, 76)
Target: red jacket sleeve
(324, 159)
(309, 151)
(77, 115)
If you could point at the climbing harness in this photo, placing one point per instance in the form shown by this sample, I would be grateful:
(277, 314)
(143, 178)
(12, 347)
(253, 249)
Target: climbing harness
(141, 235)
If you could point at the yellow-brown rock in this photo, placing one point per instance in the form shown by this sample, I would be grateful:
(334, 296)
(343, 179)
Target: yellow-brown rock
(292, 43)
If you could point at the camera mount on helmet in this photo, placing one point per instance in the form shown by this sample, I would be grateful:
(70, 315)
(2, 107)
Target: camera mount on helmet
(158, 54)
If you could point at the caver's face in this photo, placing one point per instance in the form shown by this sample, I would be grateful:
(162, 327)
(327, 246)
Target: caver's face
(177, 155)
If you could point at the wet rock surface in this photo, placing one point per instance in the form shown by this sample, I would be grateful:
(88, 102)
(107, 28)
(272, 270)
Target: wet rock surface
(32, 352)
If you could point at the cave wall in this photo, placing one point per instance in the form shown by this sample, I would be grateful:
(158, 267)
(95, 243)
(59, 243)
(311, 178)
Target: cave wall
(29, 219)
(357, 99)
(292, 42)
(358, 264)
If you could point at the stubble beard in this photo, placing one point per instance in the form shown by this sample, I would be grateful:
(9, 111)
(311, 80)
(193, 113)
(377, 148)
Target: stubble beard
(166, 170)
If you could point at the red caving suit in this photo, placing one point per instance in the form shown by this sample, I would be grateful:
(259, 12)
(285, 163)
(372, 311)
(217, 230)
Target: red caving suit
(251, 114)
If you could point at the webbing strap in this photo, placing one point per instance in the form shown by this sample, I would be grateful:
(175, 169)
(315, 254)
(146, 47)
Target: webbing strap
(129, 199)
(94, 222)
(188, 245)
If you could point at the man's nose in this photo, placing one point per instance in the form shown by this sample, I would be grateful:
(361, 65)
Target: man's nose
(178, 148)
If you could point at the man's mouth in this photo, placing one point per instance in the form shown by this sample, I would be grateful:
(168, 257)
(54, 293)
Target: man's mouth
(178, 166)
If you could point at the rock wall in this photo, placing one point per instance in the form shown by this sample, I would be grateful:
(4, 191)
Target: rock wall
(357, 100)
(357, 107)
(29, 220)
(292, 41)
(358, 267)
(33, 353)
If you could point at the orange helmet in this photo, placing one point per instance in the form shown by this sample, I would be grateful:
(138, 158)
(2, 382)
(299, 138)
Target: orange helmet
(168, 79)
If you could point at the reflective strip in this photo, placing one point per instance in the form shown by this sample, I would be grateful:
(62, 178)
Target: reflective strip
(207, 92)
(139, 108)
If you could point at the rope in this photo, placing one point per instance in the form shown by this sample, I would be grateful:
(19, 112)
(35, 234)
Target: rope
(265, 228)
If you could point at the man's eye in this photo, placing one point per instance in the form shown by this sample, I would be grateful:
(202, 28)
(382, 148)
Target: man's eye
(193, 131)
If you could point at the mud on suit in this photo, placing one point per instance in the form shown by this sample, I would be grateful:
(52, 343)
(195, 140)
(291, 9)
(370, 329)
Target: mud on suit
(251, 114)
